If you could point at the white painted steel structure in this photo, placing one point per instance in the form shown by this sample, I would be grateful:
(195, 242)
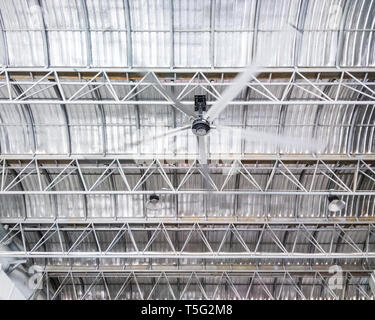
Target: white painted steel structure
(76, 100)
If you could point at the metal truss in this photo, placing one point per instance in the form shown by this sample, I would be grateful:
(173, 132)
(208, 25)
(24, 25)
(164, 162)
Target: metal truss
(194, 241)
(124, 87)
(187, 285)
(206, 269)
(343, 178)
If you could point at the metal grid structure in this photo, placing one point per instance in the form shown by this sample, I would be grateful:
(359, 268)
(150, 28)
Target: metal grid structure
(195, 241)
(75, 180)
(204, 285)
(339, 103)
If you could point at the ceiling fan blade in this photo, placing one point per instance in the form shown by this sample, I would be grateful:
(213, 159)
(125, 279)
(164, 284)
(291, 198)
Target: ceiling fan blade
(175, 103)
(261, 59)
(172, 132)
(251, 135)
(232, 91)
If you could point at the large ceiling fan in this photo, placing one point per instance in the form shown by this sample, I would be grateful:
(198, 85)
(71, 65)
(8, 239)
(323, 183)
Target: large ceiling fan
(201, 120)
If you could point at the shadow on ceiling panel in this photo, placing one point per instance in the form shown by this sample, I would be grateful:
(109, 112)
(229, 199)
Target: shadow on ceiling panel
(358, 37)
(51, 129)
(16, 133)
(86, 129)
(319, 43)
(12, 206)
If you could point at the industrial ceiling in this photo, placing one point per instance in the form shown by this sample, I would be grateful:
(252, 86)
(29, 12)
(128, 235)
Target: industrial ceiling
(87, 86)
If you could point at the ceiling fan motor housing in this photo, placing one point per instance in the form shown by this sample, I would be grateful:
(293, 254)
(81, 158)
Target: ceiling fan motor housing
(200, 127)
(154, 198)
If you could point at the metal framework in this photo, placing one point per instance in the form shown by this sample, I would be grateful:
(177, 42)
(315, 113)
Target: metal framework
(229, 257)
(193, 257)
(193, 241)
(125, 87)
(344, 178)
(268, 285)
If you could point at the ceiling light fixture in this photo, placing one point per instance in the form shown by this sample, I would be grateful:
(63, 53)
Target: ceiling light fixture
(154, 202)
(335, 204)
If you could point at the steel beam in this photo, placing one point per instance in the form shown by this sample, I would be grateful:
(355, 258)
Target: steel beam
(210, 270)
(139, 158)
(300, 81)
(212, 285)
(269, 247)
(13, 173)
(326, 221)
(168, 70)
(188, 103)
